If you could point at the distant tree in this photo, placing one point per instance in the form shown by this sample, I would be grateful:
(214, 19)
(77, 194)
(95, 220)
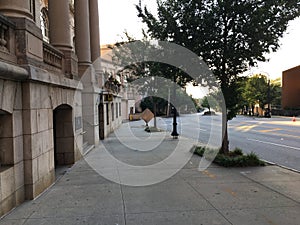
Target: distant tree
(197, 103)
(242, 102)
(229, 35)
(161, 105)
(259, 90)
(276, 92)
(256, 90)
(205, 103)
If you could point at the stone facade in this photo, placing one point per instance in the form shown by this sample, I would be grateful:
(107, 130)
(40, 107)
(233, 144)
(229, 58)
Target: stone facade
(127, 93)
(51, 92)
(111, 99)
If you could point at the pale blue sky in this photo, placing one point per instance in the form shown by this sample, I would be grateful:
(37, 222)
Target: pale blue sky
(116, 16)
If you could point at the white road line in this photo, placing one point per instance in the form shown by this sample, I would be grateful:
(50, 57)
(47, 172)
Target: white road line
(280, 145)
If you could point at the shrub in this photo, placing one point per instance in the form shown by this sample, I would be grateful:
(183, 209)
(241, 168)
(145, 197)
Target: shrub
(237, 151)
(253, 159)
(235, 158)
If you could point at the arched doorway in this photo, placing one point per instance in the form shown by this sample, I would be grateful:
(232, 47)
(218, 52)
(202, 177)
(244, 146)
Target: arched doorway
(63, 136)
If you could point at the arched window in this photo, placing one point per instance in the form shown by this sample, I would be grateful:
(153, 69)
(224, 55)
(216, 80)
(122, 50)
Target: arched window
(45, 24)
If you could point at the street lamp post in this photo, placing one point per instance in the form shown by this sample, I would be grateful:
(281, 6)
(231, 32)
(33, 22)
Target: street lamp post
(174, 131)
(154, 91)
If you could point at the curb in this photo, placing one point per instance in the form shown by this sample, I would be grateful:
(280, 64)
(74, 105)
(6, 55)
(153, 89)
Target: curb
(284, 167)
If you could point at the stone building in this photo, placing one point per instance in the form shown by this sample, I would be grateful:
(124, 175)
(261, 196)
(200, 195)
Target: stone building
(127, 94)
(52, 100)
(291, 88)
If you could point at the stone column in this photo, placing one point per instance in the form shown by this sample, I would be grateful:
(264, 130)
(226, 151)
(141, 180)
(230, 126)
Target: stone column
(82, 32)
(27, 35)
(59, 24)
(60, 34)
(87, 72)
(94, 28)
(95, 40)
(18, 8)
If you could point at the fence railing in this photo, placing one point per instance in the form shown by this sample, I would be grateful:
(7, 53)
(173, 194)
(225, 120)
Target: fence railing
(3, 36)
(52, 56)
(7, 40)
(12, 51)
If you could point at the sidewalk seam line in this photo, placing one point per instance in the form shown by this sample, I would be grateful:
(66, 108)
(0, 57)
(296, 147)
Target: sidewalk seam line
(267, 187)
(209, 203)
(122, 195)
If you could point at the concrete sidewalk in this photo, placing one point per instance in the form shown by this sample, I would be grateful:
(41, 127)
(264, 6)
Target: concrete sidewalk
(217, 195)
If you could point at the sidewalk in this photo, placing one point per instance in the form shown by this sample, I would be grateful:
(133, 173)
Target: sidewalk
(217, 195)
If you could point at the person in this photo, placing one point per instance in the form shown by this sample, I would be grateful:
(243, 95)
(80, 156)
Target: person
(268, 113)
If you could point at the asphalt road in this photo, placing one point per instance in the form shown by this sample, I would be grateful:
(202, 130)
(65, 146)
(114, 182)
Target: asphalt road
(275, 139)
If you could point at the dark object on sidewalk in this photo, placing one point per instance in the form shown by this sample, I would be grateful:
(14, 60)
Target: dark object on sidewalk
(267, 113)
(174, 132)
(209, 113)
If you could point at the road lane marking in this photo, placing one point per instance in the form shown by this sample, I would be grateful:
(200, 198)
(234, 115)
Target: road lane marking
(245, 128)
(271, 143)
(283, 135)
(270, 130)
(285, 122)
(245, 125)
(279, 134)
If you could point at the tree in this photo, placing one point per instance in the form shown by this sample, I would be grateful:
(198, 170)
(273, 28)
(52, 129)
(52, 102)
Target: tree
(131, 59)
(229, 35)
(259, 90)
(205, 103)
(276, 92)
(256, 90)
(129, 55)
(211, 101)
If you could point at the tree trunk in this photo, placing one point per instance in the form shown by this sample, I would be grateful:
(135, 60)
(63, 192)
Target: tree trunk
(154, 112)
(225, 141)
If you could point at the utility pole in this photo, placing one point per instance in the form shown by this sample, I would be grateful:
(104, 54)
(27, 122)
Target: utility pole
(268, 96)
(168, 108)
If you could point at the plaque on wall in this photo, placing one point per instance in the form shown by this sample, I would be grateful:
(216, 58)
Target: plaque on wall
(78, 124)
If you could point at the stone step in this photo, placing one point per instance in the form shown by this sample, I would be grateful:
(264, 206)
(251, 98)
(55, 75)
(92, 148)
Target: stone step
(86, 148)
